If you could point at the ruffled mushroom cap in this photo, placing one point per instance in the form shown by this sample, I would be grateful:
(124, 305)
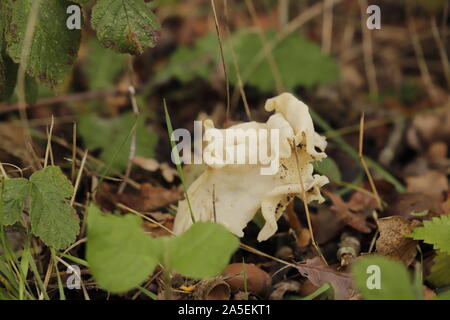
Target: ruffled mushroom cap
(231, 194)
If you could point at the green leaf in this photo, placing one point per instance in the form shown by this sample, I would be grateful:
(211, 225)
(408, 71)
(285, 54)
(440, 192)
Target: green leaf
(15, 192)
(329, 168)
(444, 295)
(52, 218)
(54, 47)
(435, 232)
(127, 26)
(103, 66)
(299, 61)
(395, 281)
(440, 271)
(99, 133)
(203, 251)
(120, 255)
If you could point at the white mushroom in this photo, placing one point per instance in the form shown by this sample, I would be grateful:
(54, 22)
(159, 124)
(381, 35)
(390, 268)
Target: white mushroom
(240, 190)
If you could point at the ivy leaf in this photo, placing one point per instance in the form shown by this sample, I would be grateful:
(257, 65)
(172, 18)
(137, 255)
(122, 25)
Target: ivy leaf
(394, 280)
(440, 271)
(127, 26)
(15, 192)
(54, 47)
(119, 253)
(52, 218)
(435, 232)
(116, 129)
(203, 251)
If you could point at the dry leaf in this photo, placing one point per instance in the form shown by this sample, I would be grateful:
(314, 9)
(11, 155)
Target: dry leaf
(392, 241)
(432, 183)
(319, 274)
(342, 210)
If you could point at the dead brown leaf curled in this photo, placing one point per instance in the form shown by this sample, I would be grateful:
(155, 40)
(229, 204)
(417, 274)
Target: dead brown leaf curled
(343, 212)
(392, 241)
(319, 274)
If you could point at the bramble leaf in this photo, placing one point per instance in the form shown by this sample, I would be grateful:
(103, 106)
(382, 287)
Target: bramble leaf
(15, 192)
(54, 47)
(119, 253)
(52, 218)
(435, 232)
(127, 26)
(203, 251)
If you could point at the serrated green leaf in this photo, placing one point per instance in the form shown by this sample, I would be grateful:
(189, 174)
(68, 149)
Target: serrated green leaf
(116, 129)
(440, 271)
(52, 218)
(395, 281)
(54, 47)
(329, 168)
(120, 255)
(125, 26)
(203, 251)
(15, 192)
(435, 232)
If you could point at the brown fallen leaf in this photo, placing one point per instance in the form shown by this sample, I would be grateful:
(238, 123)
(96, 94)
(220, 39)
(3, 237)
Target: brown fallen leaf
(342, 210)
(319, 274)
(406, 203)
(392, 241)
(432, 183)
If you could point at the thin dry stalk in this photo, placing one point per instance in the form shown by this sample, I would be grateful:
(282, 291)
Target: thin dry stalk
(74, 152)
(222, 56)
(442, 51)
(423, 67)
(49, 143)
(364, 164)
(327, 26)
(235, 64)
(80, 174)
(268, 53)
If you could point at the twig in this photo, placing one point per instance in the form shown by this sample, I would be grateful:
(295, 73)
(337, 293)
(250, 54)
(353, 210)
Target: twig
(364, 164)
(222, 55)
(74, 97)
